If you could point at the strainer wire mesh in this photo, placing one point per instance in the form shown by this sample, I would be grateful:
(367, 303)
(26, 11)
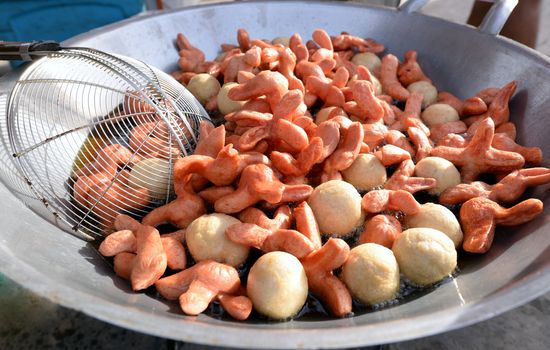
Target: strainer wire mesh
(67, 107)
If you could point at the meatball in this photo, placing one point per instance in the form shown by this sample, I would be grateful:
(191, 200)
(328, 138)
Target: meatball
(365, 173)
(424, 255)
(281, 40)
(439, 113)
(203, 86)
(437, 217)
(377, 86)
(277, 285)
(153, 174)
(225, 104)
(371, 273)
(324, 113)
(206, 240)
(337, 207)
(440, 169)
(369, 60)
(428, 90)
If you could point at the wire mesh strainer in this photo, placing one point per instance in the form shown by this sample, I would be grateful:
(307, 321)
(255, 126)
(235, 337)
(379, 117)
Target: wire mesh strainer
(96, 134)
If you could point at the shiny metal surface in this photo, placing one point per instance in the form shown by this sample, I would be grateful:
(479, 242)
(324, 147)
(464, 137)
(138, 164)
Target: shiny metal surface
(61, 99)
(496, 17)
(458, 58)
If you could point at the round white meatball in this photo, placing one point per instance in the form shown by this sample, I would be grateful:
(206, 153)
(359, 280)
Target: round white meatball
(153, 174)
(277, 285)
(281, 40)
(203, 86)
(428, 90)
(337, 207)
(377, 86)
(424, 255)
(206, 240)
(367, 59)
(365, 173)
(440, 169)
(439, 113)
(225, 104)
(371, 274)
(324, 113)
(437, 217)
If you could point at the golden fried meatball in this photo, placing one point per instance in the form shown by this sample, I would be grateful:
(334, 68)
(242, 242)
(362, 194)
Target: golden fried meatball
(369, 60)
(365, 173)
(371, 273)
(225, 104)
(437, 217)
(154, 175)
(281, 40)
(428, 90)
(377, 86)
(206, 240)
(203, 86)
(337, 207)
(323, 114)
(424, 255)
(440, 169)
(439, 113)
(277, 285)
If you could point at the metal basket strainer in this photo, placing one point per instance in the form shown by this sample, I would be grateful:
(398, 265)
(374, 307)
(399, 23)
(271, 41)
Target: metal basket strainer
(96, 134)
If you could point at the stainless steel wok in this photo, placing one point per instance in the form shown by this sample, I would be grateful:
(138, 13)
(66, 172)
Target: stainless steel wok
(461, 59)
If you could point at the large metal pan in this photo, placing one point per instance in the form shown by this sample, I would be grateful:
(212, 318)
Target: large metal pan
(459, 58)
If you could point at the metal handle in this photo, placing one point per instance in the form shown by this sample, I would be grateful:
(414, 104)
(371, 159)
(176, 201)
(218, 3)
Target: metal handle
(497, 16)
(26, 51)
(493, 21)
(413, 5)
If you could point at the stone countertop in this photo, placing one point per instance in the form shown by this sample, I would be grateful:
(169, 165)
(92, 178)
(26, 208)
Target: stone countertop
(28, 321)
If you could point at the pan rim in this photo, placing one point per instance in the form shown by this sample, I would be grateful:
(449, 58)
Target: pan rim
(231, 336)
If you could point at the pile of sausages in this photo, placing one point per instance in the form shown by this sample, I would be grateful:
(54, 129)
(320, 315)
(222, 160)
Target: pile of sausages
(321, 150)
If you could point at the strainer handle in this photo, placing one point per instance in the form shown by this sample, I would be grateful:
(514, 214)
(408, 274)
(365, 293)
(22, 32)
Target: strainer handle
(26, 51)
